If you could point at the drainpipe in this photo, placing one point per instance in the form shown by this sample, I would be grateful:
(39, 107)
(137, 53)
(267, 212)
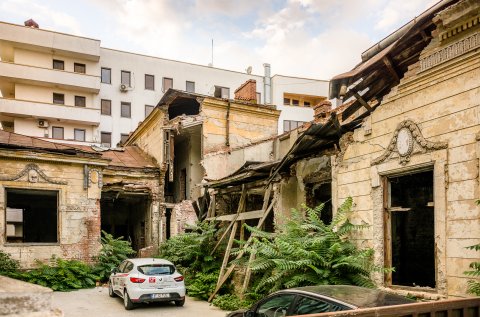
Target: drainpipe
(267, 84)
(227, 129)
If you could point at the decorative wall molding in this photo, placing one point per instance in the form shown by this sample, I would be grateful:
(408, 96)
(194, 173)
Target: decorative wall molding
(34, 175)
(451, 51)
(95, 177)
(407, 140)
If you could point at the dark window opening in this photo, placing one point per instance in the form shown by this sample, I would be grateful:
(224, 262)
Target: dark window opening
(58, 64)
(106, 139)
(123, 138)
(149, 82)
(286, 101)
(183, 184)
(106, 107)
(80, 101)
(306, 103)
(186, 106)
(58, 98)
(168, 223)
(126, 110)
(411, 211)
(31, 216)
(222, 92)
(318, 194)
(79, 68)
(295, 102)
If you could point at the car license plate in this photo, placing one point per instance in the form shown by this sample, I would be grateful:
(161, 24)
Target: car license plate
(161, 295)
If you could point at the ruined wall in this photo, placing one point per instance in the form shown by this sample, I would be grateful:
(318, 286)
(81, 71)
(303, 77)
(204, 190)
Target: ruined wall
(78, 210)
(150, 137)
(183, 214)
(438, 102)
(247, 123)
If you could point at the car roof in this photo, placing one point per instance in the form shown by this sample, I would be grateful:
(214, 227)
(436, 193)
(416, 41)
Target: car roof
(360, 297)
(145, 261)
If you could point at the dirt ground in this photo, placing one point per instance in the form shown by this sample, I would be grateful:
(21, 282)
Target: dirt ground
(96, 302)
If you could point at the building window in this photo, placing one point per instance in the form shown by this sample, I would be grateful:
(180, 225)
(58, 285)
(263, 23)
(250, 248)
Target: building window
(125, 78)
(148, 110)
(295, 102)
(123, 138)
(149, 82)
(190, 86)
(259, 97)
(31, 216)
(58, 98)
(289, 125)
(167, 84)
(57, 133)
(106, 75)
(306, 103)
(106, 139)
(79, 68)
(106, 107)
(58, 64)
(125, 109)
(79, 135)
(222, 92)
(286, 101)
(80, 101)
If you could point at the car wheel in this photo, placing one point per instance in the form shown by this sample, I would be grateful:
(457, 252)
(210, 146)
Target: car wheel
(180, 303)
(127, 303)
(111, 293)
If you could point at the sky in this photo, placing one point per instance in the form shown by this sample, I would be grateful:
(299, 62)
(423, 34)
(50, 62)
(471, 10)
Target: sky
(304, 38)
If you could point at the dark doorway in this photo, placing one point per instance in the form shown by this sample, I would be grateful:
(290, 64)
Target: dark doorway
(31, 216)
(321, 194)
(125, 215)
(411, 210)
(168, 223)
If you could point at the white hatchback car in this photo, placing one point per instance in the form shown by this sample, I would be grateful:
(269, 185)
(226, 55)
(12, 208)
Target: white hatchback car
(146, 280)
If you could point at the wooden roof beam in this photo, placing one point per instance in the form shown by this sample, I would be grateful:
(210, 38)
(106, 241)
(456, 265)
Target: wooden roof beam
(391, 68)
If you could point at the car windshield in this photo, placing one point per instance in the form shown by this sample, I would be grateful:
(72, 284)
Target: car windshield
(156, 269)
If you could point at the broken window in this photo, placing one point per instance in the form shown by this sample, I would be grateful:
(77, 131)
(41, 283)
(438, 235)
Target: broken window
(410, 240)
(31, 216)
(321, 194)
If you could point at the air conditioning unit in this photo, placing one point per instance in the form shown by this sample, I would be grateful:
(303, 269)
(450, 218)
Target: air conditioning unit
(42, 123)
(123, 87)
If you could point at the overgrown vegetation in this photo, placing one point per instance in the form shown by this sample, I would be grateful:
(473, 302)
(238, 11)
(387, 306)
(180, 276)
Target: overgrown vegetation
(306, 251)
(474, 285)
(112, 253)
(191, 253)
(233, 302)
(8, 266)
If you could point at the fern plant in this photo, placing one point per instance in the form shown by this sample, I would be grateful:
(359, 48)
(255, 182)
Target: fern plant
(474, 285)
(306, 251)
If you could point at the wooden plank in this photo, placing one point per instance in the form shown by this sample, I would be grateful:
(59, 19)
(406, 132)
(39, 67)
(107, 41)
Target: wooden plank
(362, 101)
(255, 214)
(228, 251)
(224, 278)
(391, 68)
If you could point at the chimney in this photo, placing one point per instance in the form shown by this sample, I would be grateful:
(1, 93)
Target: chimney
(267, 84)
(247, 91)
(321, 110)
(31, 23)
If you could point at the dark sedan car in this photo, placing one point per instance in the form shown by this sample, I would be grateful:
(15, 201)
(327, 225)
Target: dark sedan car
(319, 299)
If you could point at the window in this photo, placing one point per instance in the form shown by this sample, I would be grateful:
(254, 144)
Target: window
(58, 98)
(79, 68)
(106, 139)
(125, 109)
(306, 103)
(80, 101)
(291, 124)
(106, 106)
(156, 269)
(149, 82)
(31, 216)
(79, 135)
(259, 97)
(148, 110)
(295, 102)
(167, 84)
(58, 64)
(190, 86)
(123, 138)
(57, 133)
(222, 92)
(125, 78)
(286, 101)
(128, 267)
(275, 306)
(106, 75)
(307, 305)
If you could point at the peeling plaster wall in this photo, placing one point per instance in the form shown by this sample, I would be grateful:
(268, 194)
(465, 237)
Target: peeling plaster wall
(444, 102)
(182, 214)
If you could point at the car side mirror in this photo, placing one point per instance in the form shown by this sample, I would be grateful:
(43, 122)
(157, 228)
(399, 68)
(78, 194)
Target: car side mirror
(249, 313)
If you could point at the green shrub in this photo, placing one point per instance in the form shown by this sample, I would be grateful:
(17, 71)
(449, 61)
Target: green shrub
(61, 275)
(8, 266)
(306, 251)
(201, 285)
(230, 302)
(474, 285)
(112, 253)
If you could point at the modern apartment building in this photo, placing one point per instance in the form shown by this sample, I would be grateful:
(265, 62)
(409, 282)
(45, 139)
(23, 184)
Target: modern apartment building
(63, 87)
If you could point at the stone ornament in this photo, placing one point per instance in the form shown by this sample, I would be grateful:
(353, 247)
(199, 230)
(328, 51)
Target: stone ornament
(95, 177)
(408, 139)
(34, 175)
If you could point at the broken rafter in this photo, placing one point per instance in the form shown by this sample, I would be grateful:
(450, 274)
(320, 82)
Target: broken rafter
(391, 68)
(362, 101)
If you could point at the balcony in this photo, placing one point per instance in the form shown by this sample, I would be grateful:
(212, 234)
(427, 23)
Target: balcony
(49, 77)
(49, 41)
(48, 111)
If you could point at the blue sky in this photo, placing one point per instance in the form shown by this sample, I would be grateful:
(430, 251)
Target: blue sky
(305, 38)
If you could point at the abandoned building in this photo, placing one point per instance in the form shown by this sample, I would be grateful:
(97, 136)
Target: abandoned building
(55, 198)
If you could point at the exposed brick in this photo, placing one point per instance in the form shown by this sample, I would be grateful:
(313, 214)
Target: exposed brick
(247, 91)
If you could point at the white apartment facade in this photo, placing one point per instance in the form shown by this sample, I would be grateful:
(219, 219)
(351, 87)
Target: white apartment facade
(63, 87)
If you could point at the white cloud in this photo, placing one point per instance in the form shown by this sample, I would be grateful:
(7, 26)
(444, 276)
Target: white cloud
(395, 13)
